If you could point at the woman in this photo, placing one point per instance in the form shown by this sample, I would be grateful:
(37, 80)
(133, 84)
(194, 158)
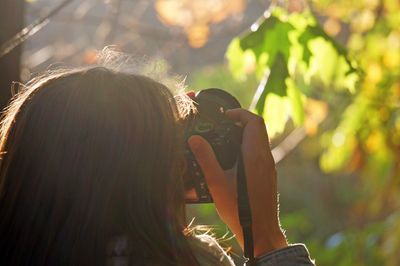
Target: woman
(91, 174)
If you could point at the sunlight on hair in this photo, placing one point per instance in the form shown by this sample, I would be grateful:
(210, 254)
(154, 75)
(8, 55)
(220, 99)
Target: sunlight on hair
(155, 68)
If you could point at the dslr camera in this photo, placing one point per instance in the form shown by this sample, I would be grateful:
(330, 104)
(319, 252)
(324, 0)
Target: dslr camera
(222, 133)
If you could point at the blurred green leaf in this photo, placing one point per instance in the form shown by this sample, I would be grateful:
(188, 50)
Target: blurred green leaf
(307, 56)
(317, 31)
(275, 113)
(279, 72)
(304, 39)
(271, 37)
(291, 48)
(296, 101)
(239, 60)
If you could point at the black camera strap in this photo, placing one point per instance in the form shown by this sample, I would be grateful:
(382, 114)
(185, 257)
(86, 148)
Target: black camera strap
(244, 211)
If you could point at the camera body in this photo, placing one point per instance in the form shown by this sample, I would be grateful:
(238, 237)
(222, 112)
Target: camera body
(222, 133)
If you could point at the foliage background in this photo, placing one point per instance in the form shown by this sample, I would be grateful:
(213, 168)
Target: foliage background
(323, 73)
(332, 68)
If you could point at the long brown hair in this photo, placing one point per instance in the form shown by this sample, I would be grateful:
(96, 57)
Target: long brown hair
(88, 155)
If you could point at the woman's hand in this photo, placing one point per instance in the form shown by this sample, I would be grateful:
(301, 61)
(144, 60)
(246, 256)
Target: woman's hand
(261, 183)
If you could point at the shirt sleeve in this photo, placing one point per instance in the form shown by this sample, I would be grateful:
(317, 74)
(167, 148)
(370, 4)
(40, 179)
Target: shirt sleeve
(293, 255)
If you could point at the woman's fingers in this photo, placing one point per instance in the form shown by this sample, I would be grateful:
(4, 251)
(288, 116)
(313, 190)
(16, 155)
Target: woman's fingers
(255, 137)
(213, 173)
(222, 186)
(242, 115)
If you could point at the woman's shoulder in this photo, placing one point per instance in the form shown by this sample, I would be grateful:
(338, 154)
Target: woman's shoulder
(208, 251)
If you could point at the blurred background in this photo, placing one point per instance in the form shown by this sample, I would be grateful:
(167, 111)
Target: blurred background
(324, 74)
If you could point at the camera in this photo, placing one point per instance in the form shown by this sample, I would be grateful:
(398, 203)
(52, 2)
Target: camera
(222, 133)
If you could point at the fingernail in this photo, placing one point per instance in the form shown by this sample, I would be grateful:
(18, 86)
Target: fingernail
(191, 94)
(228, 111)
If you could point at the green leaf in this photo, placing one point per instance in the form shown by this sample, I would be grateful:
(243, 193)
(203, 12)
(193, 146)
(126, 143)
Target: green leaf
(304, 38)
(298, 56)
(329, 66)
(254, 40)
(296, 101)
(271, 37)
(238, 58)
(275, 113)
(317, 31)
(275, 83)
(279, 72)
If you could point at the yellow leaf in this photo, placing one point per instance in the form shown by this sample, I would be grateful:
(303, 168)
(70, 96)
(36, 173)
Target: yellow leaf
(391, 59)
(195, 16)
(197, 35)
(316, 111)
(332, 26)
(374, 141)
(173, 13)
(363, 21)
(374, 73)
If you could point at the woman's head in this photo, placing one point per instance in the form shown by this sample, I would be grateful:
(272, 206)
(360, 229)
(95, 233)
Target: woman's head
(88, 155)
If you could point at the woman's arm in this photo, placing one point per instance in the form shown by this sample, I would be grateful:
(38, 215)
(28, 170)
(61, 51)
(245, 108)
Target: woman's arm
(260, 170)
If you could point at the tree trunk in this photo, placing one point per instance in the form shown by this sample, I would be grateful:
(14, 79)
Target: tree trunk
(11, 21)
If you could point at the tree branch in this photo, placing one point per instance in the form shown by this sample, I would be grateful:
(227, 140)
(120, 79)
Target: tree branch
(31, 29)
(288, 144)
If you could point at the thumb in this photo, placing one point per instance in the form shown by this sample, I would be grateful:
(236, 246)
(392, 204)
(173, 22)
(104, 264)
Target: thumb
(213, 173)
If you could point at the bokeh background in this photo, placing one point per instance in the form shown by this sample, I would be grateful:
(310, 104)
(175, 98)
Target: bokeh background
(324, 74)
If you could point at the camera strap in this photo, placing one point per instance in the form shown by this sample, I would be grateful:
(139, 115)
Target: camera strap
(244, 211)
